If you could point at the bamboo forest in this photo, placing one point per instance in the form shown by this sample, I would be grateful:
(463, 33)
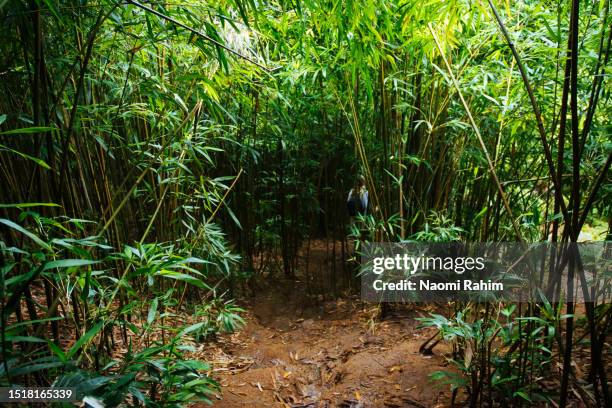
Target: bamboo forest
(193, 194)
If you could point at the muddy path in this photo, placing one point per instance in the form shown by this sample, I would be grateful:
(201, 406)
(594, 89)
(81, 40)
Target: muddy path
(334, 354)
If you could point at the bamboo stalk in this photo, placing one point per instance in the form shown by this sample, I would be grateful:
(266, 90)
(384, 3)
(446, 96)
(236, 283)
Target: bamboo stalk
(536, 110)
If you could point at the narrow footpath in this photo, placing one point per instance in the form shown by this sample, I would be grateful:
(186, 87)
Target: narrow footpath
(334, 354)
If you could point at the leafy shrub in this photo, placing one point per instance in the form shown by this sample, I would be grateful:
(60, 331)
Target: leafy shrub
(502, 357)
(217, 316)
(96, 291)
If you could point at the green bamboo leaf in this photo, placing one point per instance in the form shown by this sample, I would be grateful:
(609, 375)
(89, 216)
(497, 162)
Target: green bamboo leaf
(231, 213)
(27, 205)
(84, 339)
(553, 34)
(25, 232)
(36, 160)
(28, 130)
(69, 263)
(190, 329)
(181, 103)
(523, 395)
(193, 259)
(57, 351)
(25, 339)
(31, 368)
(29, 322)
(182, 277)
(152, 311)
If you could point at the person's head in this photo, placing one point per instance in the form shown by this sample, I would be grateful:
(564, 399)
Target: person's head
(359, 182)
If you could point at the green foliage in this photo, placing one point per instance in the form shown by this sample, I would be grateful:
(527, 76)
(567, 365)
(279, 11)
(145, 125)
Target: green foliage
(218, 316)
(155, 377)
(438, 228)
(486, 352)
(159, 375)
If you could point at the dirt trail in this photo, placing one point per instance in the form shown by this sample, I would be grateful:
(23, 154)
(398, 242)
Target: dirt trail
(334, 355)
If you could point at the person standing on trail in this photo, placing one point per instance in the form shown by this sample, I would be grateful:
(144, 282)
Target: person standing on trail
(357, 205)
(357, 201)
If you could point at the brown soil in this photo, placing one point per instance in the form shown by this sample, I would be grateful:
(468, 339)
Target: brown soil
(336, 354)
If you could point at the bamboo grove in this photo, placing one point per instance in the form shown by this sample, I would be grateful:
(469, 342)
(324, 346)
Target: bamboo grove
(159, 159)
